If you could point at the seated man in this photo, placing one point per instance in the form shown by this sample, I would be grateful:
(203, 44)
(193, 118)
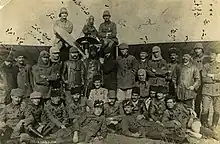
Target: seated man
(12, 121)
(158, 105)
(112, 111)
(56, 113)
(92, 125)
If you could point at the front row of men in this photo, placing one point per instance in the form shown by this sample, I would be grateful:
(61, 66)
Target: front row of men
(82, 120)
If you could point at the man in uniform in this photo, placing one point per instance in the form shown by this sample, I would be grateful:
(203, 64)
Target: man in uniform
(143, 84)
(143, 63)
(198, 61)
(186, 80)
(158, 105)
(108, 33)
(127, 69)
(12, 117)
(23, 76)
(41, 73)
(74, 73)
(211, 91)
(91, 126)
(89, 29)
(56, 113)
(157, 68)
(65, 24)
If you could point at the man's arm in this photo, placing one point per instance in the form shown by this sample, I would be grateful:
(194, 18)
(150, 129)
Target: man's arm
(205, 77)
(114, 31)
(101, 33)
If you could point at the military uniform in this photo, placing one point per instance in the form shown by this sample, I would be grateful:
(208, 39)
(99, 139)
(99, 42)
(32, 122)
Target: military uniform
(90, 30)
(156, 109)
(98, 94)
(210, 91)
(157, 69)
(144, 88)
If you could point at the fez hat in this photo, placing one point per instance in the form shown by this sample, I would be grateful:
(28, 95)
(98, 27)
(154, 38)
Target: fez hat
(112, 94)
(136, 90)
(106, 13)
(123, 46)
(198, 45)
(156, 49)
(76, 90)
(17, 92)
(162, 89)
(54, 50)
(73, 49)
(62, 11)
(55, 92)
(172, 50)
(36, 95)
(98, 103)
(97, 77)
(153, 88)
(126, 102)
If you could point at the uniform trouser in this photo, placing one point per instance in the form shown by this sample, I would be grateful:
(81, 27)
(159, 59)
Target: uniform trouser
(123, 94)
(198, 101)
(189, 103)
(206, 102)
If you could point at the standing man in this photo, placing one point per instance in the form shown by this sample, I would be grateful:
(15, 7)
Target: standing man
(108, 33)
(127, 69)
(143, 84)
(198, 62)
(157, 68)
(63, 23)
(186, 80)
(143, 63)
(211, 91)
(89, 29)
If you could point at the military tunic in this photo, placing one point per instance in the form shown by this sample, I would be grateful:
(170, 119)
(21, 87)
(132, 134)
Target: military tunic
(98, 94)
(144, 88)
(108, 27)
(90, 31)
(156, 109)
(112, 111)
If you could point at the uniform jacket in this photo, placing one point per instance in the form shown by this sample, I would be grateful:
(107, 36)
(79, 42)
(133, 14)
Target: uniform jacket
(184, 77)
(12, 114)
(90, 31)
(143, 64)
(112, 111)
(138, 107)
(75, 110)
(110, 74)
(56, 68)
(74, 73)
(56, 113)
(211, 87)
(156, 109)
(198, 61)
(127, 69)
(108, 27)
(98, 94)
(157, 78)
(144, 88)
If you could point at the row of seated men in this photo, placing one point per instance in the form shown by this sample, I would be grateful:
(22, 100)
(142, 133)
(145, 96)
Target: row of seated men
(78, 119)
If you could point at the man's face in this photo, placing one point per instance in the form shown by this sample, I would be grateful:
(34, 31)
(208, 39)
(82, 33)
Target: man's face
(152, 94)
(16, 99)
(160, 96)
(93, 53)
(21, 60)
(128, 109)
(35, 101)
(173, 56)
(134, 97)
(198, 51)
(45, 60)
(124, 51)
(170, 103)
(8, 63)
(106, 18)
(185, 59)
(64, 15)
(111, 101)
(98, 111)
(55, 100)
(56, 56)
(74, 55)
(76, 97)
(107, 55)
(91, 20)
(141, 77)
(97, 84)
(213, 57)
(156, 54)
(143, 55)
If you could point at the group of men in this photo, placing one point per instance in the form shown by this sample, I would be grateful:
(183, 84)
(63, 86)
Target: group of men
(85, 99)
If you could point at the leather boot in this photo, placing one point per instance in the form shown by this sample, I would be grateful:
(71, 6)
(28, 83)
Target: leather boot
(204, 120)
(215, 120)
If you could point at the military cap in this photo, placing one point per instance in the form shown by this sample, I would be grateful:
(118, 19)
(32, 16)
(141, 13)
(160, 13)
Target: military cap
(35, 95)
(198, 45)
(136, 90)
(44, 54)
(17, 92)
(98, 103)
(172, 50)
(54, 50)
(156, 49)
(153, 88)
(76, 90)
(112, 94)
(123, 46)
(63, 10)
(55, 92)
(106, 13)
(162, 89)
(97, 77)
(73, 49)
(126, 102)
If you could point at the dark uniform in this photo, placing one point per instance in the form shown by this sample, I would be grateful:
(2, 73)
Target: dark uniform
(143, 84)
(89, 29)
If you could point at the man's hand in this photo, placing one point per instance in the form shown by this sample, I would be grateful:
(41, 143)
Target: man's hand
(191, 88)
(114, 122)
(158, 122)
(136, 135)
(43, 76)
(140, 117)
(75, 137)
(62, 126)
(153, 70)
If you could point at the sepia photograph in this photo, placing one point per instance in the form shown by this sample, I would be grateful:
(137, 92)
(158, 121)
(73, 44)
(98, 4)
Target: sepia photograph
(109, 72)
